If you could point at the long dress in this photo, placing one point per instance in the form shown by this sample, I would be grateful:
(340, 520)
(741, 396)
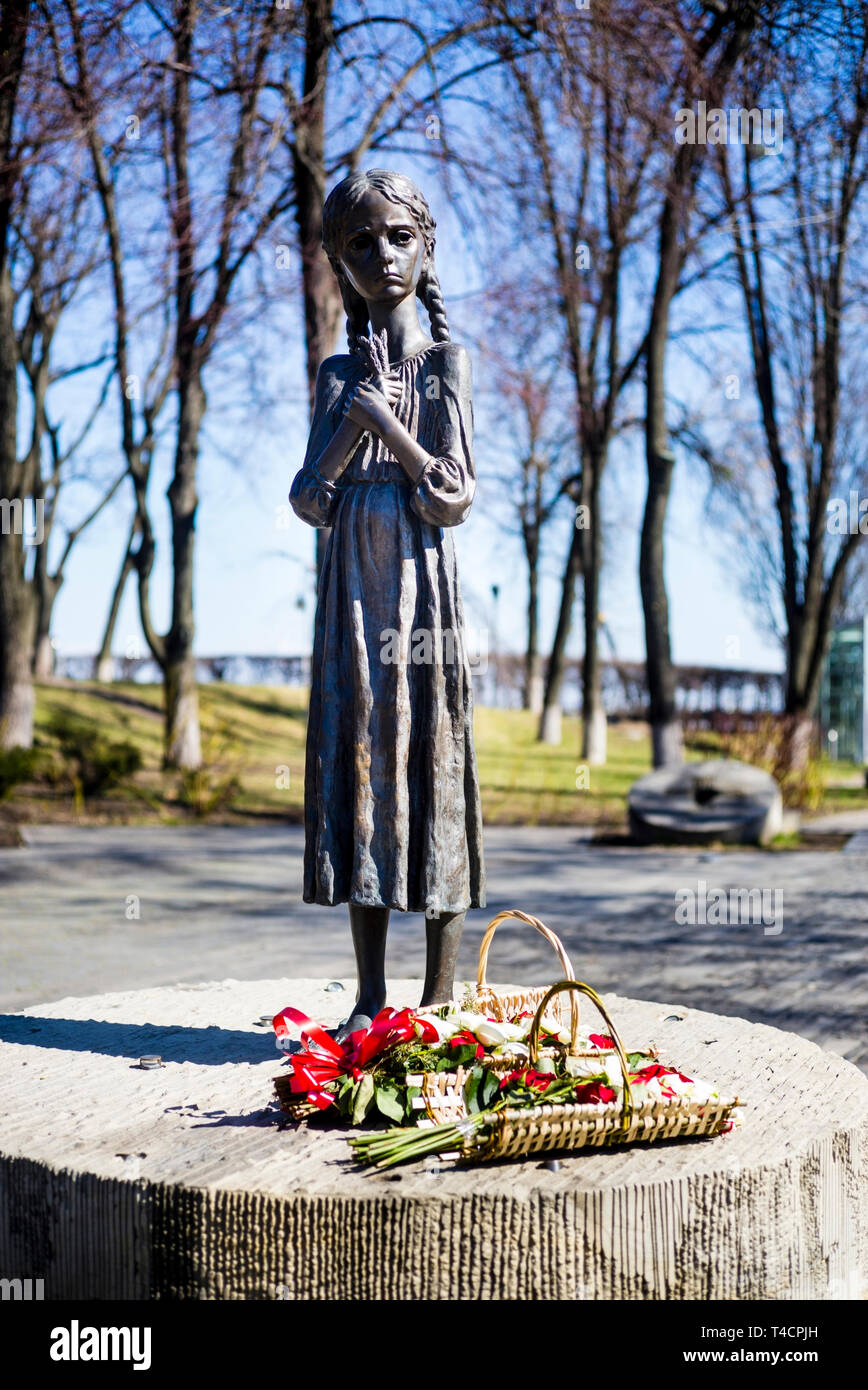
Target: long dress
(392, 806)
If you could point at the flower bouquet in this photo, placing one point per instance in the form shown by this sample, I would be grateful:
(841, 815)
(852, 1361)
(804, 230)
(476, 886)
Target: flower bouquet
(512, 1086)
(569, 1102)
(411, 1065)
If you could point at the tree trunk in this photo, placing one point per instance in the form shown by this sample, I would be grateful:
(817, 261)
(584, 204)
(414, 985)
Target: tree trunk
(666, 737)
(802, 694)
(801, 736)
(550, 723)
(43, 657)
(103, 668)
(16, 604)
(534, 690)
(320, 294)
(17, 622)
(593, 713)
(182, 739)
(17, 613)
(182, 745)
(666, 734)
(45, 590)
(533, 679)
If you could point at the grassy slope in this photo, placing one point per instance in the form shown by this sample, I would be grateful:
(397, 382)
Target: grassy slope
(257, 734)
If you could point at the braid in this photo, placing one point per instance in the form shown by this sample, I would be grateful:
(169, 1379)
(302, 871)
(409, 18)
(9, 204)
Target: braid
(431, 295)
(335, 214)
(356, 309)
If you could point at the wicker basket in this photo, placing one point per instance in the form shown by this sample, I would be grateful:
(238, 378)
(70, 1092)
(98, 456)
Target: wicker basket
(442, 1092)
(506, 1006)
(542, 1128)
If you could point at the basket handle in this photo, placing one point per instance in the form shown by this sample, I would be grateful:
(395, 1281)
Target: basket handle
(577, 987)
(553, 940)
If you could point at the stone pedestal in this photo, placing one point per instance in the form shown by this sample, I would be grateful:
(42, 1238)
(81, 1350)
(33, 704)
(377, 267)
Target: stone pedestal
(118, 1182)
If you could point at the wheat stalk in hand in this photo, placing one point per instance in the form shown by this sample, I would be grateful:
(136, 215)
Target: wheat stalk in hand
(374, 352)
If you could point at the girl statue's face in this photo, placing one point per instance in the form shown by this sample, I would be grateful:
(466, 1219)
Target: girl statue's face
(383, 251)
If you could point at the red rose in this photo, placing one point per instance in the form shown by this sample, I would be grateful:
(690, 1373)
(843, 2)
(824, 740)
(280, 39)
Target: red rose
(594, 1092)
(466, 1039)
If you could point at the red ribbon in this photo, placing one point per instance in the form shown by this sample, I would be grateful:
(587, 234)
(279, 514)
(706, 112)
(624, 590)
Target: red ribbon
(324, 1060)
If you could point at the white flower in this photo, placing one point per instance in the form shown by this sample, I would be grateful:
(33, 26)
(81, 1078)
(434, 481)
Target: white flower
(490, 1034)
(471, 1021)
(547, 1024)
(444, 1027)
(582, 1066)
(511, 1049)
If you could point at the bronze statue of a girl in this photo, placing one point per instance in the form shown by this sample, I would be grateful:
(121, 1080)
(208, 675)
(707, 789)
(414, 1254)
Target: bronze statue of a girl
(392, 807)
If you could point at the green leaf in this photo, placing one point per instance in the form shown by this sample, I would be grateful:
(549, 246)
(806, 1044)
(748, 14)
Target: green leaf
(489, 1089)
(410, 1094)
(363, 1098)
(471, 1090)
(388, 1103)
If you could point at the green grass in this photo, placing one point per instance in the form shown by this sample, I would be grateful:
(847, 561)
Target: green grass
(528, 783)
(844, 787)
(256, 734)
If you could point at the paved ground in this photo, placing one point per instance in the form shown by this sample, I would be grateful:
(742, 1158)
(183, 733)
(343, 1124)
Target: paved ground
(840, 822)
(86, 910)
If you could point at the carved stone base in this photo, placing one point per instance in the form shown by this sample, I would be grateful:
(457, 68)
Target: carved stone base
(118, 1182)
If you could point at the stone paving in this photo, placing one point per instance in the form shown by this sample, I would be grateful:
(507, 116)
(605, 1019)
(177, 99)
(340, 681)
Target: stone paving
(87, 910)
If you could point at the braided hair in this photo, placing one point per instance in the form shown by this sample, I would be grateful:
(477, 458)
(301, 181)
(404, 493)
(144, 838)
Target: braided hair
(339, 205)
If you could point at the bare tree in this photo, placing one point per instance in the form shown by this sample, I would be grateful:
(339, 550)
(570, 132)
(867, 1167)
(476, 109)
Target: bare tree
(17, 615)
(802, 298)
(55, 261)
(710, 49)
(230, 69)
(591, 150)
(524, 384)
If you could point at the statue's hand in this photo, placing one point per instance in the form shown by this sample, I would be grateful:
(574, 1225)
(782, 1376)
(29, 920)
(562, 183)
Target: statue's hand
(370, 407)
(392, 387)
